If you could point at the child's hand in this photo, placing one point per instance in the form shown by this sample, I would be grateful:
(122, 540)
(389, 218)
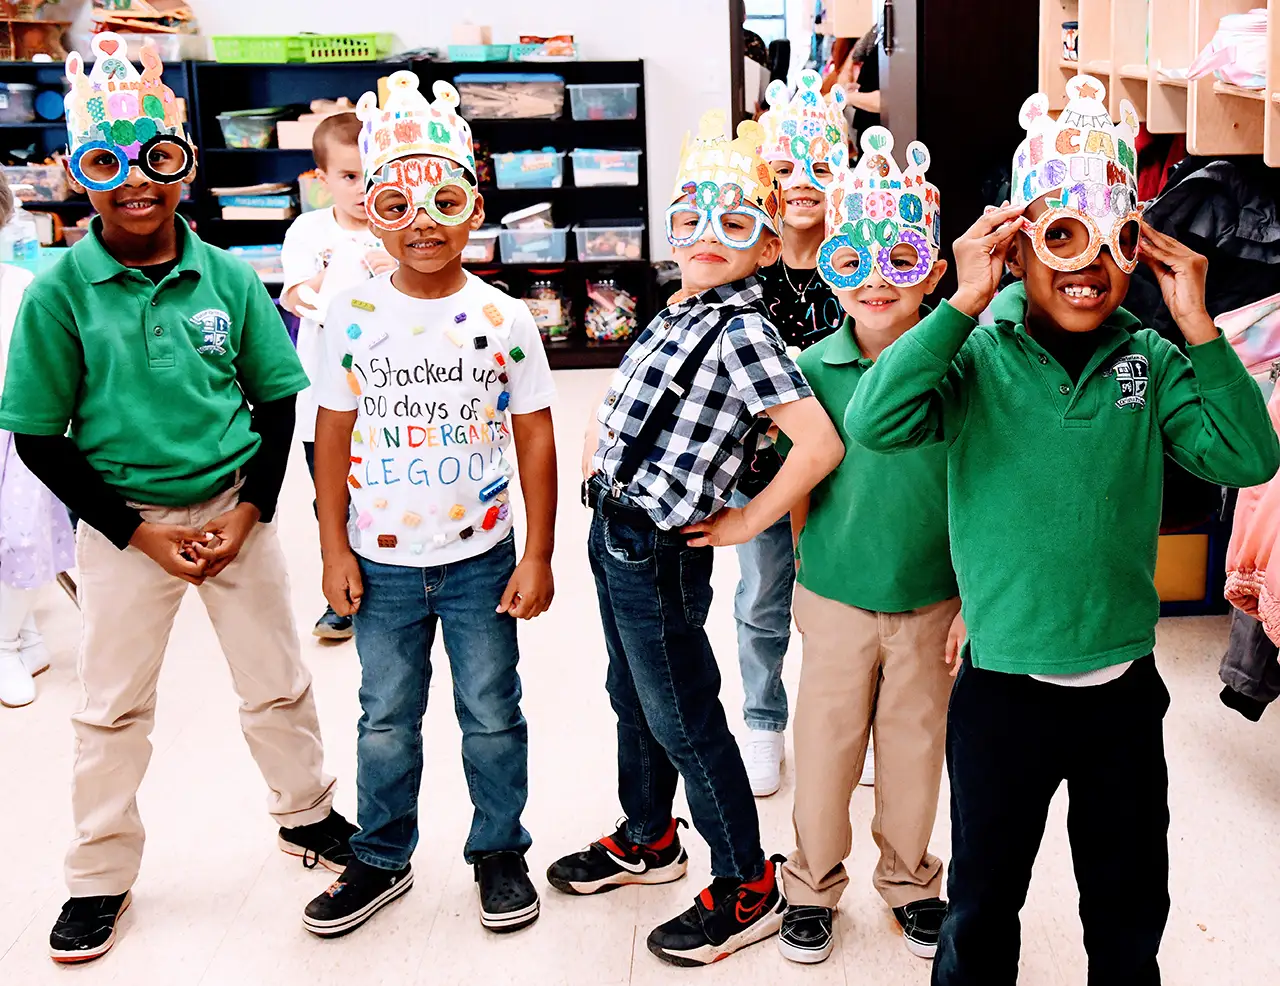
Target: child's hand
(726, 526)
(955, 643)
(379, 262)
(343, 587)
(170, 547)
(529, 590)
(230, 531)
(1181, 273)
(980, 255)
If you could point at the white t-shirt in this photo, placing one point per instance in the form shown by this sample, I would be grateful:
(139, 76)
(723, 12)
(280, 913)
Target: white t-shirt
(429, 481)
(313, 243)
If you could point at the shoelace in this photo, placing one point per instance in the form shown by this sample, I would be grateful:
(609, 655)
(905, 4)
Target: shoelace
(761, 752)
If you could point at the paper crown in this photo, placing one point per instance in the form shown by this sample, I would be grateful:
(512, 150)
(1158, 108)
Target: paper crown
(114, 103)
(408, 125)
(1090, 159)
(806, 128)
(712, 157)
(894, 201)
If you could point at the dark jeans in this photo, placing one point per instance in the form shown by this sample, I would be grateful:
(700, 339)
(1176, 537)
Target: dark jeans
(1011, 740)
(395, 628)
(664, 685)
(309, 453)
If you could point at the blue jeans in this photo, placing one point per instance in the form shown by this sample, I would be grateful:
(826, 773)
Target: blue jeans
(762, 609)
(664, 685)
(395, 627)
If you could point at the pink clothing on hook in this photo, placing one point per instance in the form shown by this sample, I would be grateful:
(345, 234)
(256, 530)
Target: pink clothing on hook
(1253, 556)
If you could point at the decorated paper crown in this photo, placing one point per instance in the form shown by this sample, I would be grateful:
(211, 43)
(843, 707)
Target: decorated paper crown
(806, 129)
(114, 104)
(1092, 161)
(408, 125)
(712, 158)
(877, 206)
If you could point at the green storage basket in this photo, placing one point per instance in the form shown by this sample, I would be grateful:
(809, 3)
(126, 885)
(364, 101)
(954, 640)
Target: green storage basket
(346, 47)
(302, 48)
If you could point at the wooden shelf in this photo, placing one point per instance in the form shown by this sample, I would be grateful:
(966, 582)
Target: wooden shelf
(1172, 83)
(1069, 65)
(1099, 66)
(1240, 92)
(1271, 96)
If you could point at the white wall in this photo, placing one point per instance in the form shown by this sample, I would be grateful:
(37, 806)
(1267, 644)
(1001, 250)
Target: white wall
(685, 45)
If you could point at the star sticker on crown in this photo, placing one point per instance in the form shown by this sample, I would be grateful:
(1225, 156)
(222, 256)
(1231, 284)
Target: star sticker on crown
(1087, 91)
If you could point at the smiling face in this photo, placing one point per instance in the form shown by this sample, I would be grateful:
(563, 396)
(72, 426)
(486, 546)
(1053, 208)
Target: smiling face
(344, 178)
(879, 306)
(707, 262)
(1074, 301)
(806, 205)
(139, 207)
(426, 246)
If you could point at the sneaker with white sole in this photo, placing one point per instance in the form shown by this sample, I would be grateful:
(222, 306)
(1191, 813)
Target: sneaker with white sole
(615, 861)
(17, 687)
(921, 922)
(324, 843)
(807, 934)
(762, 753)
(86, 927)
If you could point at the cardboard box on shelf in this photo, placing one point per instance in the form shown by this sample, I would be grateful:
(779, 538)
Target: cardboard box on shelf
(467, 33)
(848, 18)
(296, 134)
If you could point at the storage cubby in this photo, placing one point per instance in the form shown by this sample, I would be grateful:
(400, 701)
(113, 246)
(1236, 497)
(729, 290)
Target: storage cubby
(1271, 128)
(1055, 68)
(1171, 47)
(1221, 119)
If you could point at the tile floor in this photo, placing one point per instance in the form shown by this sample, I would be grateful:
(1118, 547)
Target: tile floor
(218, 905)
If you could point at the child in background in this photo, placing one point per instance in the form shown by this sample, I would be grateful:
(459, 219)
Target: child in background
(877, 597)
(327, 251)
(1056, 420)
(804, 140)
(36, 542)
(420, 395)
(169, 362)
(674, 430)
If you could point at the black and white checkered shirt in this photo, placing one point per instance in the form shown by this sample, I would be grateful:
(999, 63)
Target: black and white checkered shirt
(696, 460)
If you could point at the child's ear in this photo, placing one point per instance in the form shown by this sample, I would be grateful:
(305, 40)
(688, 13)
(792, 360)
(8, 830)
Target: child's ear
(936, 272)
(324, 178)
(772, 249)
(1014, 261)
(195, 166)
(477, 217)
(71, 178)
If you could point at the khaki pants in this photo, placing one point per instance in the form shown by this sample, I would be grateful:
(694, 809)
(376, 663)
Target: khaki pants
(128, 604)
(859, 669)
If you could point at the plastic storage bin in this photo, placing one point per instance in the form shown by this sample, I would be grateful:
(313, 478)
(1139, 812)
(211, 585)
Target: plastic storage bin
(481, 246)
(532, 217)
(277, 48)
(605, 167)
(17, 102)
(250, 128)
(605, 101)
(510, 96)
(479, 53)
(604, 240)
(529, 169)
(49, 182)
(533, 246)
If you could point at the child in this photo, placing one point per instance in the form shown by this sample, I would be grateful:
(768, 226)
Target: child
(170, 363)
(664, 466)
(804, 141)
(36, 542)
(327, 251)
(1056, 421)
(415, 394)
(877, 595)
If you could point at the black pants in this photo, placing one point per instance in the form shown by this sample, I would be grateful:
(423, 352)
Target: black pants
(1011, 740)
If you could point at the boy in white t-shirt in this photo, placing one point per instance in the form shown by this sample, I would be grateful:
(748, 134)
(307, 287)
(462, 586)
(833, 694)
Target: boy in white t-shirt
(325, 252)
(426, 375)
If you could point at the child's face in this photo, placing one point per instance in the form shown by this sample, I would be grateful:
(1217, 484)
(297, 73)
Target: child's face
(878, 306)
(426, 246)
(806, 205)
(1075, 301)
(708, 263)
(344, 178)
(139, 207)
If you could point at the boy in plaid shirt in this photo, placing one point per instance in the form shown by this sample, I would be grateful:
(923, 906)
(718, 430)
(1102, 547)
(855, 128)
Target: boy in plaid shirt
(675, 428)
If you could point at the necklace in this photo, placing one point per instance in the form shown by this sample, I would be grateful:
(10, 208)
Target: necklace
(800, 292)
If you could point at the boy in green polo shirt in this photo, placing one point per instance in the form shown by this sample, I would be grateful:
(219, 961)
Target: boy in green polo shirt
(1056, 421)
(877, 596)
(151, 386)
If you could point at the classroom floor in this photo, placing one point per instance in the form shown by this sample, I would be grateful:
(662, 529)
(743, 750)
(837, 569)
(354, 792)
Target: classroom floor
(218, 905)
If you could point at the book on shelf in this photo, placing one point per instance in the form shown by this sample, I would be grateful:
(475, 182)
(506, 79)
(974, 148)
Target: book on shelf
(257, 212)
(263, 188)
(256, 201)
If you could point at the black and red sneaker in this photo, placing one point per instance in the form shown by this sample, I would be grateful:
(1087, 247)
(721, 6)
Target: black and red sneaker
(725, 917)
(615, 861)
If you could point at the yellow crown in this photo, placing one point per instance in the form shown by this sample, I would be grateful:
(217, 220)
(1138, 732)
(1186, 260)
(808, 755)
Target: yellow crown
(713, 157)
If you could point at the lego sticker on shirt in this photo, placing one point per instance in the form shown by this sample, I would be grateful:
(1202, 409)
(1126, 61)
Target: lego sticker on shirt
(1131, 373)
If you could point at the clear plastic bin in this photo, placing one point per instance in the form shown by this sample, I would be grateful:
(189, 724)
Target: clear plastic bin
(604, 240)
(592, 167)
(529, 169)
(17, 102)
(533, 246)
(510, 96)
(605, 101)
(481, 246)
(48, 181)
(250, 128)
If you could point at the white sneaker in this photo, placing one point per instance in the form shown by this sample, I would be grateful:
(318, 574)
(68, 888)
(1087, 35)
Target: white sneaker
(35, 655)
(868, 778)
(762, 753)
(17, 688)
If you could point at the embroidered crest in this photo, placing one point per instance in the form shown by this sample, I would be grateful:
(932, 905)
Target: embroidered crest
(216, 326)
(1131, 373)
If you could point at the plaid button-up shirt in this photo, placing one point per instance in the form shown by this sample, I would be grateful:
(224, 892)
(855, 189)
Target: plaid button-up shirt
(691, 470)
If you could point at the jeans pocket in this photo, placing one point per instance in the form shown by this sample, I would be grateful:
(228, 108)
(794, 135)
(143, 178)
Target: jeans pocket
(695, 584)
(631, 547)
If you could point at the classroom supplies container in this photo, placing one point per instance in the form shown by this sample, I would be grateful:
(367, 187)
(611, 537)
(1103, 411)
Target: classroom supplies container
(17, 102)
(604, 240)
(529, 169)
(533, 246)
(481, 246)
(592, 167)
(508, 96)
(605, 101)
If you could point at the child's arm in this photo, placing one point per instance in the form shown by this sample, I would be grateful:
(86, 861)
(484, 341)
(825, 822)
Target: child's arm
(343, 587)
(591, 437)
(799, 516)
(912, 396)
(1212, 415)
(290, 300)
(298, 260)
(531, 587)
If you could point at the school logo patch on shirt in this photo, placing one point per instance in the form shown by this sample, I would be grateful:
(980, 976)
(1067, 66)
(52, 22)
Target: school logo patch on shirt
(1131, 373)
(216, 326)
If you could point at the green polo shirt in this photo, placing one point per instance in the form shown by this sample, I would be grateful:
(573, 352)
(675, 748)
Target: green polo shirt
(876, 534)
(155, 381)
(1055, 488)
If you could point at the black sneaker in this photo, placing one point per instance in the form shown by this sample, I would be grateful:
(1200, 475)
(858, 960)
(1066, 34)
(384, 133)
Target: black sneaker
(86, 928)
(921, 922)
(806, 934)
(508, 901)
(614, 861)
(356, 896)
(725, 917)
(331, 626)
(327, 842)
